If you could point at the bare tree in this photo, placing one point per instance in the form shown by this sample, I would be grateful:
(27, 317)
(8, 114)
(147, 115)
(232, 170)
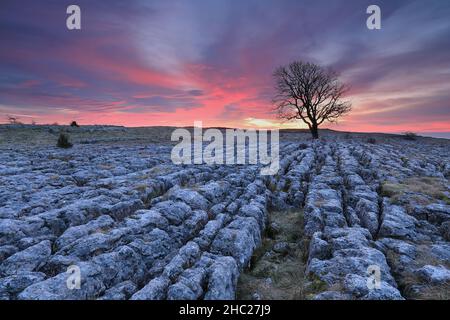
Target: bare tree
(308, 92)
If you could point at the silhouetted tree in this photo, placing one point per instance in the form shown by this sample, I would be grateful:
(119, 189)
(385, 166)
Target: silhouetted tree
(410, 135)
(309, 92)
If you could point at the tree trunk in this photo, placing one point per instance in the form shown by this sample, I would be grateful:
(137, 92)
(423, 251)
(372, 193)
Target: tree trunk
(315, 131)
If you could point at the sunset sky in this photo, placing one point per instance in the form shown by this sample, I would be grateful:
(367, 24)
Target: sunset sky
(142, 63)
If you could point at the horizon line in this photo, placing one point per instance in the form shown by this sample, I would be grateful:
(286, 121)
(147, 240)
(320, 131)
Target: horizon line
(419, 133)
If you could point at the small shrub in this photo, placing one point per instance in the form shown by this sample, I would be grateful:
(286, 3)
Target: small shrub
(405, 161)
(302, 146)
(390, 190)
(410, 136)
(63, 141)
(74, 124)
(371, 140)
(426, 189)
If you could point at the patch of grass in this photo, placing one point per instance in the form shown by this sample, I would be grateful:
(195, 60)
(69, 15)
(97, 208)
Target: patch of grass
(45, 135)
(445, 199)
(411, 285)
(406, 281)
(438, 292)
(424, 257)
(317, 285)
(428, 186)
(278, 276)
(390, 190)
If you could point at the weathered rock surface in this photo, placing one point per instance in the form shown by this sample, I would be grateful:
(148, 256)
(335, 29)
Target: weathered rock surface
(139, 227)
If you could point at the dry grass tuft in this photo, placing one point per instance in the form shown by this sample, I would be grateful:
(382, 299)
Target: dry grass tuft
(411, 285)
(280, 277)
(429, 186)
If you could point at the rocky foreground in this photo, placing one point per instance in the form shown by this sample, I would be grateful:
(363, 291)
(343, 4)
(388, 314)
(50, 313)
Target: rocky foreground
(140, 227)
